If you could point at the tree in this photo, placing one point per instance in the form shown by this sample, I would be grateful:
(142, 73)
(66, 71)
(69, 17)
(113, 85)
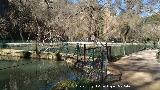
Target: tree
(151, 27)
(117, 14)
(50, 20)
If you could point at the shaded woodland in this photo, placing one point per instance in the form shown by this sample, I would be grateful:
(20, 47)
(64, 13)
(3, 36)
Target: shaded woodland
(78, 20)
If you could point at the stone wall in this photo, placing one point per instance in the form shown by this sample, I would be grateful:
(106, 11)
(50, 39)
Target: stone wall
(22, 53)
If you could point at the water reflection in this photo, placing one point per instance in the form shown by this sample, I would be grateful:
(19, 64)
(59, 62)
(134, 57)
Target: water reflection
(32, 74)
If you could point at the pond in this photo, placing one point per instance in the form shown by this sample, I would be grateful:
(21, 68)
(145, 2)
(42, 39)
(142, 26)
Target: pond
(32, 74)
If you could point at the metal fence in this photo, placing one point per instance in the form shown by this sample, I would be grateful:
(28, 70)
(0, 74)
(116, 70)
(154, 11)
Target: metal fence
(117, 49)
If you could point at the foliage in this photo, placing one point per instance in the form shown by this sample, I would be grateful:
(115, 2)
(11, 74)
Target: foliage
(82, 84)
(151, 27)
(27, 54)
(62, 20)
(154, 19)
(66, 84)
(58, 56)
(4, 45)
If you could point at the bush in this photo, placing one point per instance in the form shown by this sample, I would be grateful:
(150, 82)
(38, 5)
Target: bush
(27, 54)
(66, 85)
(4, 45)
(75, 85)
(58, 57)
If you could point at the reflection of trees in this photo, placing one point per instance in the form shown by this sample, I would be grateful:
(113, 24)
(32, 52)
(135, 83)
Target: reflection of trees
(13, 83)
(22, 78)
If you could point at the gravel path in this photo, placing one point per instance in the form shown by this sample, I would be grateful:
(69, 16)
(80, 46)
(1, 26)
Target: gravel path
(140, 70)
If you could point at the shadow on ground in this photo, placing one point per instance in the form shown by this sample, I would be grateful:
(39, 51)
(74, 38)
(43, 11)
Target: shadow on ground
(140, 71)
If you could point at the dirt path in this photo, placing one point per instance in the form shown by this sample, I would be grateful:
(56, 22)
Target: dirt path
(140, 70)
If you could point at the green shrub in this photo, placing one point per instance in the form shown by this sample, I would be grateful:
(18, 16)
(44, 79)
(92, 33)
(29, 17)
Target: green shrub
(66, 85)
(81, 84)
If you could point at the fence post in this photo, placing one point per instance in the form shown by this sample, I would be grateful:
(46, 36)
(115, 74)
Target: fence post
(124, 48)
(107, 49)
(93, 53)
(77, 49)
(84, 52)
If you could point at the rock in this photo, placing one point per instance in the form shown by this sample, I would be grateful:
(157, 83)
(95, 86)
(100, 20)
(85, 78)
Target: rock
(70, 60)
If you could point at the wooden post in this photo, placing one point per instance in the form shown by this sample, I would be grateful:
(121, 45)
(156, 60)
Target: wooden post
(109, 53)
(77, 47)
(107, 49)
(84, 52)
(93, 54)
(106, 46)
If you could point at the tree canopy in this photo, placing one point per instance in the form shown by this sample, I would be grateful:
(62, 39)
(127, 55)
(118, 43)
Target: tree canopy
(56, 20)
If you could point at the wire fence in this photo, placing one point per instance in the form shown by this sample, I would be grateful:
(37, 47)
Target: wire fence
(117, 49)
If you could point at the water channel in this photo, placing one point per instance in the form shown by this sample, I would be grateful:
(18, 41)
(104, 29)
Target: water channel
(30, 74)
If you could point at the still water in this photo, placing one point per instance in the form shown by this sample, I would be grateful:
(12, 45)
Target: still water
(32, 74)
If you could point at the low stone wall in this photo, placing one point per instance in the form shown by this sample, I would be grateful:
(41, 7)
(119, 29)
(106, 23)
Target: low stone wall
(12, 54)
(31, 54)
(17, 55)
(6, 58)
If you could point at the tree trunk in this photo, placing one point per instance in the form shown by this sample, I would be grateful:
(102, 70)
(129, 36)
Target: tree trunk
(20, 33)
(21, 36)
